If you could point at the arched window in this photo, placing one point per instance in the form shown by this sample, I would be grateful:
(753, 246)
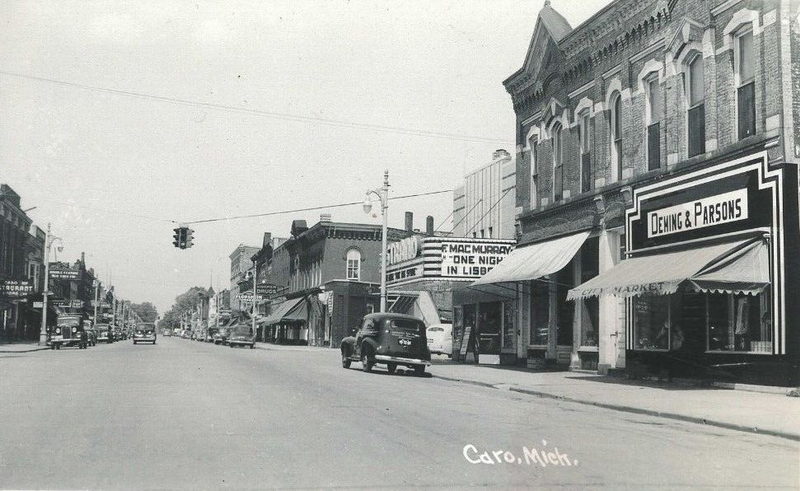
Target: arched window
(533, 144)
(695, 99)
(616, 137)
(558, 162)
(353, 265)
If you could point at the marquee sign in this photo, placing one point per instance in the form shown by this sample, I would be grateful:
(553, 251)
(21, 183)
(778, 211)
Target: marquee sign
(64, 274)
(471, 260)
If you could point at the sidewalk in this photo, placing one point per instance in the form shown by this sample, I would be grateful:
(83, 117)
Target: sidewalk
(769, 413)
(21, 347)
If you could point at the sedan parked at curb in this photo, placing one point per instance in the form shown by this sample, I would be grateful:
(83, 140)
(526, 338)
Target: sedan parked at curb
(388, 339)
(242, 336)
(440, 339)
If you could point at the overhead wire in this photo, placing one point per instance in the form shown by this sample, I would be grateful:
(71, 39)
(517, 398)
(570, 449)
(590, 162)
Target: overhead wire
(264, 113)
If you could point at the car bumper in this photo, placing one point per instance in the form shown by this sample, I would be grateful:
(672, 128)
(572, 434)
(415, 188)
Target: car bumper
(241, 342)
(400, 360)
(144, 339)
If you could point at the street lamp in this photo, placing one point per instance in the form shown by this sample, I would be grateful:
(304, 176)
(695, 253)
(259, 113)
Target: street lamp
(383, 195)
(48, 240)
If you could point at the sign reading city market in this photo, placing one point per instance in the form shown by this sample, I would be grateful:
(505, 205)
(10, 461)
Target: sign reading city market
(15, 288)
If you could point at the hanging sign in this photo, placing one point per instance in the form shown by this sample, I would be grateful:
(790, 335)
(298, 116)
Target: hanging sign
(15, 288)
(64, 274)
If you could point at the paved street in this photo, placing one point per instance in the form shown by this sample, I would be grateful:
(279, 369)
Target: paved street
(184, 414)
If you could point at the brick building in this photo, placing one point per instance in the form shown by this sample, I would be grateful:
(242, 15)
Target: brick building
(241, 263)
(649, 112)
(328, 277)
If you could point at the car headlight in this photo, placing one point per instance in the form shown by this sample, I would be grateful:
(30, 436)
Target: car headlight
(58, 330)
(74, 329)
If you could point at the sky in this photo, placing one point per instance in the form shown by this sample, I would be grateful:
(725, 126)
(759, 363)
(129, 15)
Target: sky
(119, 119)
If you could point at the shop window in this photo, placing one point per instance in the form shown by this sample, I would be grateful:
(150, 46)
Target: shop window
(584, 133)
(489, 328)
(558, 163)
(745, 84)
(616, 137)
(654, 115)
(739, 323)
(590, 307)
(696, 115)
(540, 312)
(651, 322)
(353, 264)
(509, 313)
(565, 310)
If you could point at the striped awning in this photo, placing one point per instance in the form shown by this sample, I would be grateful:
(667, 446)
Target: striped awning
(740, 266)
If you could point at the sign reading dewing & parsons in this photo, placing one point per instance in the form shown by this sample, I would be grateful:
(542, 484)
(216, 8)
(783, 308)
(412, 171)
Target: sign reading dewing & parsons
(712, 210)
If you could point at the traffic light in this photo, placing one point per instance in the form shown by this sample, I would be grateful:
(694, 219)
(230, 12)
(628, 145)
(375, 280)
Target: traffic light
(189, 238)
(177, 237)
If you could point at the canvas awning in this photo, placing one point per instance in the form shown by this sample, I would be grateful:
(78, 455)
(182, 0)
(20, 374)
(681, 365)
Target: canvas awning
(536, 260)
(739, 266)
(289, 310)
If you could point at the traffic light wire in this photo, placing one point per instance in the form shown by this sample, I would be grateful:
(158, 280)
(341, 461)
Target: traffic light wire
(310, 208)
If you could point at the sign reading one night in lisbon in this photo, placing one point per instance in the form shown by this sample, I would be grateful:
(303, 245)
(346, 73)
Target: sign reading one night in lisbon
(471, 259)
(706, 212)
(15, 288)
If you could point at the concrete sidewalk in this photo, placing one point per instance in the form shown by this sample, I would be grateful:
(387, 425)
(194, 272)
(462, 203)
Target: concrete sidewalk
(21, 347)
(769, 413)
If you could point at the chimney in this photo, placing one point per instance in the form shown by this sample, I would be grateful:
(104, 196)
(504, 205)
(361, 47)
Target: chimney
(429, 225)
(83, 258)
(500, 153)
(409, 221)
(267, 239)
(325, 217)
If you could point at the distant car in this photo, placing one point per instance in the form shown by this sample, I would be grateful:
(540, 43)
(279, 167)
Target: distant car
(166, 332)
(186, 334)
(221, 337)
(144, 333)
(103, 333)
(440, 339)
(242, 336)
(389, 339)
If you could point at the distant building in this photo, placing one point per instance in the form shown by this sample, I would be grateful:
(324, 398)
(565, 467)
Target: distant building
(327, 277)
(241, 263)
(483, 205)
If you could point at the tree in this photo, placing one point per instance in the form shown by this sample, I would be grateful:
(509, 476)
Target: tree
(185, 302)
(146, 311)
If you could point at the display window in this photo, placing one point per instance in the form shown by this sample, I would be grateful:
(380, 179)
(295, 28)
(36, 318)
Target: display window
(739, 323)
(540, 312)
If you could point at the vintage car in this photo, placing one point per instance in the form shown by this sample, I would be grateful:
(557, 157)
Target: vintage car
(242, 335)
(68, 331)
(440, 339)
(104, 334)
(221, 336)
(144, 333)
(389, 339)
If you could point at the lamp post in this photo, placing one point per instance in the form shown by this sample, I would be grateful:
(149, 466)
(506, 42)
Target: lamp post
(255, 291)
(383, 195)
(48, 241)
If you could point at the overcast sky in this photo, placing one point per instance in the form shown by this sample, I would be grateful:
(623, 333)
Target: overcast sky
(117, 117)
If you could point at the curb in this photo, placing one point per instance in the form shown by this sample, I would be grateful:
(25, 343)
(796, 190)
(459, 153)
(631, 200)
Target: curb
(636, 410)
(25, 351)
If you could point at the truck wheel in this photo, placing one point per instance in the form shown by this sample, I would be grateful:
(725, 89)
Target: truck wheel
(345, 361)
(52, 346)
(252, 346)
(419, 370)
(391, 368)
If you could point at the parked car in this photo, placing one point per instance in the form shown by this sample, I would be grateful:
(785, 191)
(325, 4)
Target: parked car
(440, 339)
(242, 336)
(103, 333)
(221, 337)
(144, 333)
(388, 339)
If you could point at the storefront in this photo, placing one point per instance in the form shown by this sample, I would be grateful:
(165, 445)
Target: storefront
(287, 322)
(484, 325)
(711, 259)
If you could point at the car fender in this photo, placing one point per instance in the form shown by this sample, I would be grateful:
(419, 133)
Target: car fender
(373, 346)
(348, 346)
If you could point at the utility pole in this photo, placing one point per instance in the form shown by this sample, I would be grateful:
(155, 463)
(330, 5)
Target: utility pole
(255, 278)
(46, 292)
(96, 300)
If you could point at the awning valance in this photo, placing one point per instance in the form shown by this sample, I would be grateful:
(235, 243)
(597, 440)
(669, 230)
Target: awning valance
(289, 310)
(536, 260)
(739, 266)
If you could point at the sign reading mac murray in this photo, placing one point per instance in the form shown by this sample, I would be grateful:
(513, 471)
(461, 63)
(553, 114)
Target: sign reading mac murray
(742, 198)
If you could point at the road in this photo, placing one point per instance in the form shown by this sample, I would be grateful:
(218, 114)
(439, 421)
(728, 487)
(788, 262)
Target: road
(185, 414)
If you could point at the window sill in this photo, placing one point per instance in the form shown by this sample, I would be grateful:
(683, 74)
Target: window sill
(589, 349)
(720, 352)
(537, 347)
(651, 350)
